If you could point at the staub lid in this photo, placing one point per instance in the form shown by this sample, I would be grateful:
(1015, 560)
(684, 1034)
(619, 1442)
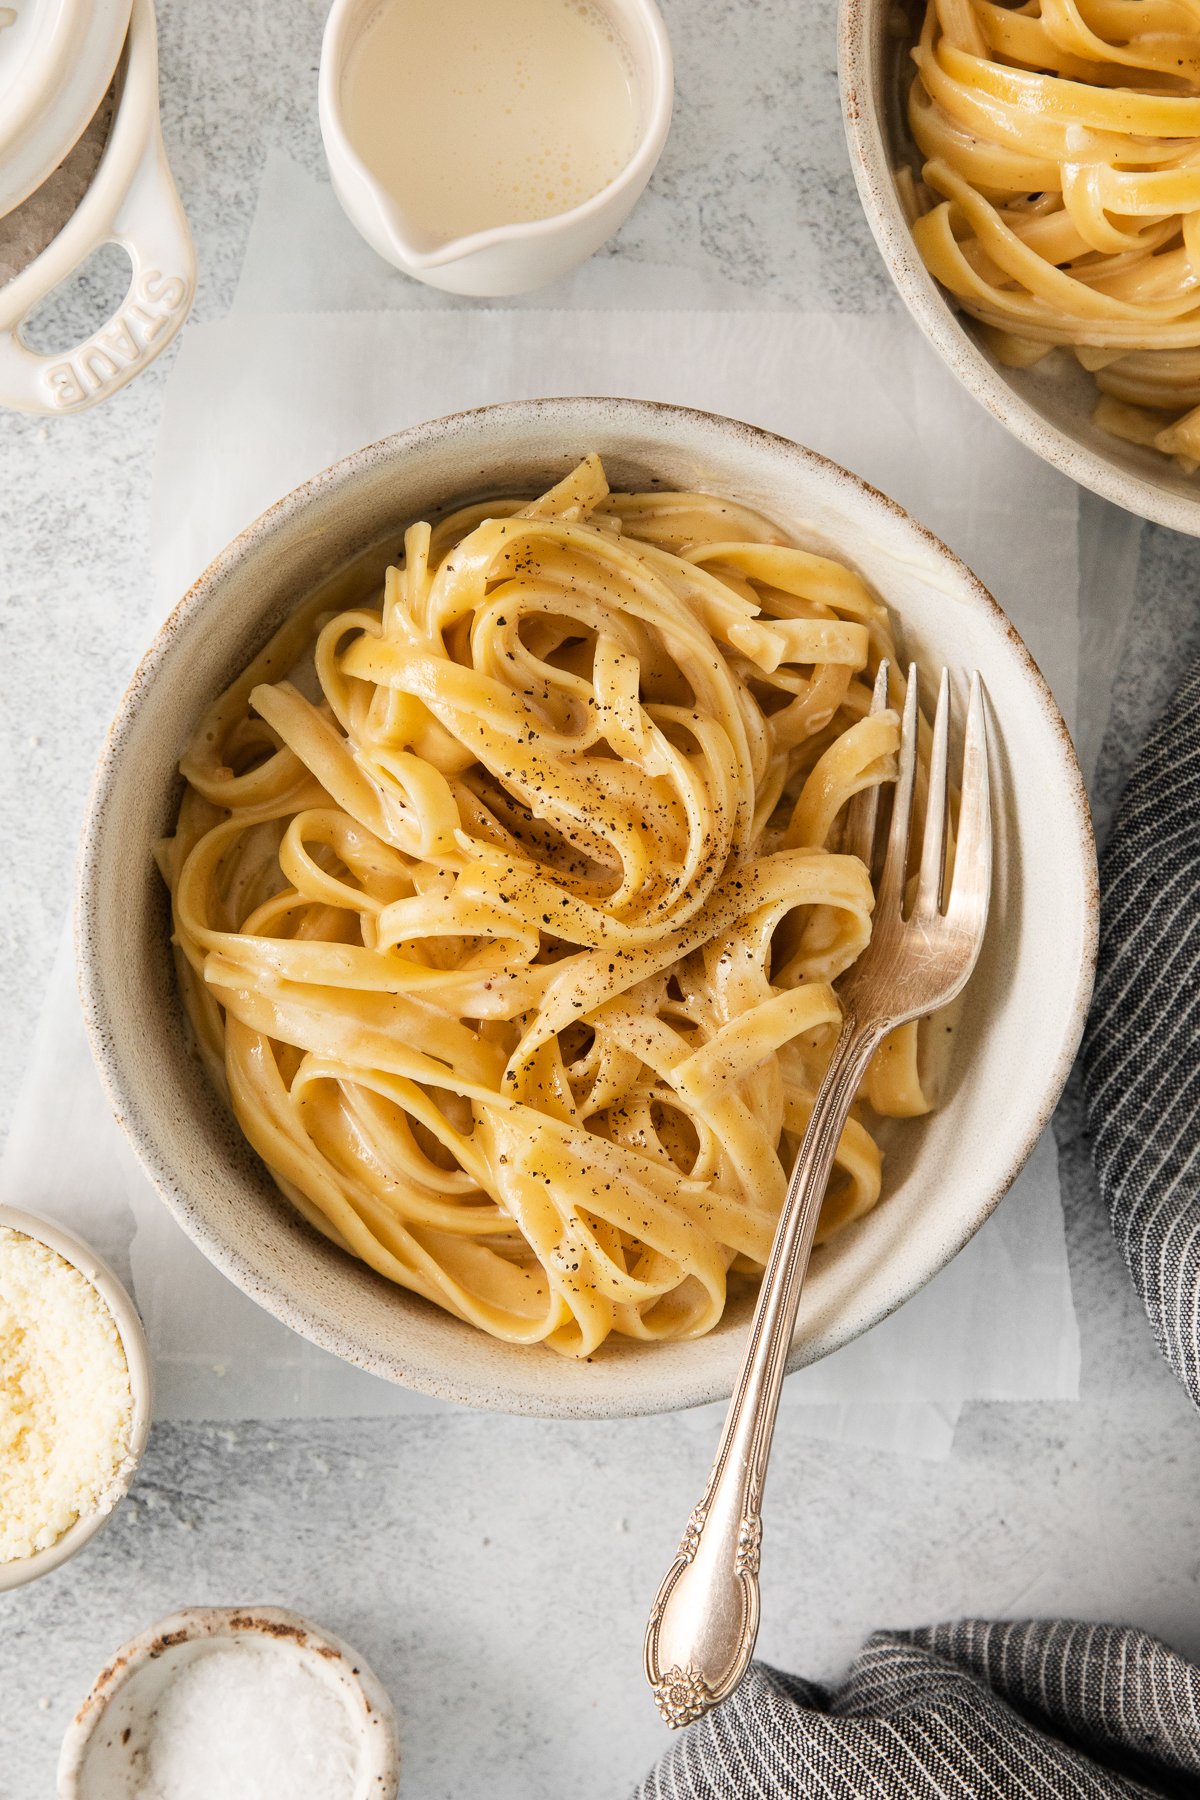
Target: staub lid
(57, 57)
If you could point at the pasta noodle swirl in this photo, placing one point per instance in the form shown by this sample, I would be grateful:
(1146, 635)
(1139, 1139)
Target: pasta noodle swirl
(507, 909)
(1059, 193)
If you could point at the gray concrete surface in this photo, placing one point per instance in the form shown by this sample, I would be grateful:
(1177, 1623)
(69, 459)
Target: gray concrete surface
(495, 1571)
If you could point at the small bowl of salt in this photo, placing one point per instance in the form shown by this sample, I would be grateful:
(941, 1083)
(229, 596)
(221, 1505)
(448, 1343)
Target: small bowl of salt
(229, 1703)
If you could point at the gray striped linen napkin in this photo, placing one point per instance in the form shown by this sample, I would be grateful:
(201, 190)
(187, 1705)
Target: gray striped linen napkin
(1044, 1709)
(1141, 1051)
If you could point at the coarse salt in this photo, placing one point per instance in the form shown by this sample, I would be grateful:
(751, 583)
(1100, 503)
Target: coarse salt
(66, 1404)
(247, 1721)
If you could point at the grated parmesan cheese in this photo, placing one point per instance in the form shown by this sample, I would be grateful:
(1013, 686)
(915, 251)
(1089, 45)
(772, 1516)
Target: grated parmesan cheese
(66, 1406)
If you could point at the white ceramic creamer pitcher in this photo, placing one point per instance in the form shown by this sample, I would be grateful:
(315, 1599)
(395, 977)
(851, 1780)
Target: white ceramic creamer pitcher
(507, 258)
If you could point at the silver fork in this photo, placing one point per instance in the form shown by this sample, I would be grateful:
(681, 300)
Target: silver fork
(704, 1621)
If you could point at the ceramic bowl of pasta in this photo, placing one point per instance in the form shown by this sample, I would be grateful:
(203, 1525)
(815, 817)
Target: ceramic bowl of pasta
(462, 903)
(1032, 177)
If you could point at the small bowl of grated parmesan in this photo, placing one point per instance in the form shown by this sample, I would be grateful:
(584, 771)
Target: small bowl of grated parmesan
(75, 1395)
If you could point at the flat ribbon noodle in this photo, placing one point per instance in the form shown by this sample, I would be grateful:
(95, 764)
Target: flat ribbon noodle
(1058, 197)
(507, 908)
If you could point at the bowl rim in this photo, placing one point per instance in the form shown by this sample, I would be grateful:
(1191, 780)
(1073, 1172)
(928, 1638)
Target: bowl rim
(379, 1771)
(940, 322)
(132, 1334)
(270, 1291)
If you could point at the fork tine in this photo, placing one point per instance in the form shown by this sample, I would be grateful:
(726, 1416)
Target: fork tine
(895, 862)
(971, 886)
(858, 838)
(933, 845)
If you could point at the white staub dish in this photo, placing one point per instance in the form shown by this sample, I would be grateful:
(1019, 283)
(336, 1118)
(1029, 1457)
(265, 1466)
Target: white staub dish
(61, 60)
(507, 259)
(1024, 1009)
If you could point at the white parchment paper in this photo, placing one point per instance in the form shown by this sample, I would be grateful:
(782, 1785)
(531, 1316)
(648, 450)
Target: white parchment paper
(259, 402)
(303, 255)
(997, 1324)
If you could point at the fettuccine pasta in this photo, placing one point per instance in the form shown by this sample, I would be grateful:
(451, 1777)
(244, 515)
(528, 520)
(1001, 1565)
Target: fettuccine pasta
(1059, 195)
(507, 908)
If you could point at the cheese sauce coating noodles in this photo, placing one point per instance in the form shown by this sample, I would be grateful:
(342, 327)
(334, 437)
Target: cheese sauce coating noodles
(1059, 199)
(507, 909)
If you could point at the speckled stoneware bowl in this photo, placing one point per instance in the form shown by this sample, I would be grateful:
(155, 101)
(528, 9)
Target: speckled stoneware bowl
(1024, 1009)
(1049, 407)
(104, 1752)
(93, 1268)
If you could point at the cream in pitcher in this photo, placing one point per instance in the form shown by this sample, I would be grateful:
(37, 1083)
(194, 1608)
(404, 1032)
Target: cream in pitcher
(487, 146)
(475, 113)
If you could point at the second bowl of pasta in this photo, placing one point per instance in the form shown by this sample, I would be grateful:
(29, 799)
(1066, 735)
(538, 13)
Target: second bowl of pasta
(475, 823)
(1029, 176)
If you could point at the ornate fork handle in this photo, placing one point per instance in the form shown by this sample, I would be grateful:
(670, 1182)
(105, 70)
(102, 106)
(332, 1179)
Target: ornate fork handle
(704, 1621)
